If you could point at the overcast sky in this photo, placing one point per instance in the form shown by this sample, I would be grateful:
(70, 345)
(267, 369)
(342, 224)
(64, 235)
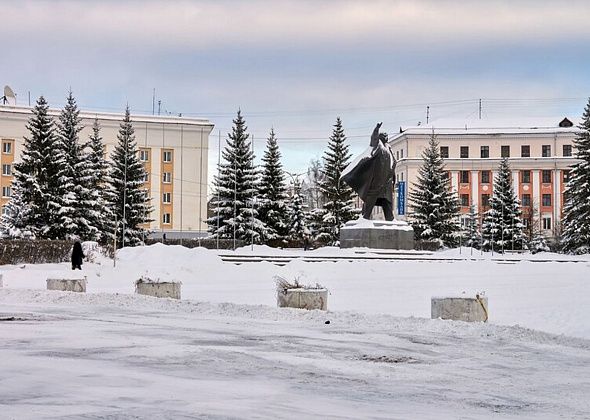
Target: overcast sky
(297, 65)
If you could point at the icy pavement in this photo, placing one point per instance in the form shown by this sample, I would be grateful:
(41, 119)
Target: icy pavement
(71, 356)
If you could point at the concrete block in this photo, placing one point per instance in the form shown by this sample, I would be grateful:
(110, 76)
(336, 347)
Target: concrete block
(377, 234)
(469, 309)
(67, 285)
(158, 289)
(303, 298)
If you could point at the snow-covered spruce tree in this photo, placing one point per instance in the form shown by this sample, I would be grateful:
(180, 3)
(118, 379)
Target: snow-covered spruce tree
(502, 226)
(40, 181)
(14, 222)
(297, 217)
(575, 237)
(78, 172)
(98, 170)
(338, 207)
(128, 201)
(434, 206)
(272, 193)
(471, 230)
(234, 190)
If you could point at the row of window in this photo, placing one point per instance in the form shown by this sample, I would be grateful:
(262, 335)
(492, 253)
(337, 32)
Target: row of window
(525, 200)
(525, 176)
(525, 151)
(144, 155)
(546, 222)
(166, 177)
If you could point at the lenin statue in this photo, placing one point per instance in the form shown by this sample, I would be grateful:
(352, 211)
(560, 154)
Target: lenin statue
(372, 175)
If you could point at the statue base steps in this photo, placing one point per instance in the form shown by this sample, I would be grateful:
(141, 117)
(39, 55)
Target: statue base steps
(377, 234)
(460, 308)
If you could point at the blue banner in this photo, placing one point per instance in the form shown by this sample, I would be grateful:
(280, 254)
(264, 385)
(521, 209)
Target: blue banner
(401, 198)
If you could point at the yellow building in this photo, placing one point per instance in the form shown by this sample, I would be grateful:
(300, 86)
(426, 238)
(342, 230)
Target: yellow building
(174, 151)
(539, 153)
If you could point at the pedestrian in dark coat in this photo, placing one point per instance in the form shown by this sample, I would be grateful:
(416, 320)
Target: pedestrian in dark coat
(77, 256)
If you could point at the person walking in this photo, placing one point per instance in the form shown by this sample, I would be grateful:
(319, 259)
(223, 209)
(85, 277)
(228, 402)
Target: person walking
(77, 256)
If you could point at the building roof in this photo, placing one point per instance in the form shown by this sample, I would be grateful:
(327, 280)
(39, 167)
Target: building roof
(112, 116)
(491, 126)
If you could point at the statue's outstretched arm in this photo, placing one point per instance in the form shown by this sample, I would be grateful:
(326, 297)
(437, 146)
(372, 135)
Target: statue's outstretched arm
(375, 135)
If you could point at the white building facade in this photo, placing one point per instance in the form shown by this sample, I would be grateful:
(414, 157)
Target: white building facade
(539, 155)
(174, 151)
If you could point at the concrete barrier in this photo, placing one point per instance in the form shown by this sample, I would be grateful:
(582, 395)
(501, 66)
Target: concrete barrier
(303, 298)
(158, 289)
(467, 309)
(67, 285)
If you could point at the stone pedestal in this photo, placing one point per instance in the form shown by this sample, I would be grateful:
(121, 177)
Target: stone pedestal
(158, 289)
(303, 298)
(67, 285)
(467, 309)
(378, 234)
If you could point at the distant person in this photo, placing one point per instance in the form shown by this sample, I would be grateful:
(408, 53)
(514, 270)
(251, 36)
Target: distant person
(77, 256)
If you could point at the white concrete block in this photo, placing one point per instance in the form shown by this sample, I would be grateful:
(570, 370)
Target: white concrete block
(67, 285)
(158, 289)
(474, 309)
(303, 298)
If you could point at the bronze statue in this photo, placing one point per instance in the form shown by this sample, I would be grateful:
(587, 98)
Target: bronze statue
(372, 175)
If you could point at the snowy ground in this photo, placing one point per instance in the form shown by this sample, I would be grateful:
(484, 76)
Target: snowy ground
(111, 354)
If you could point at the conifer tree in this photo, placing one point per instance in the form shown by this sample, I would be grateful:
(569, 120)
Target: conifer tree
(472, 233)
(234, 189)
(576, 221)
(297, 217)
(129, 203)
(13, 223)
(98, 175)
(40, 182)
(502, 227)
(272, 192)
(77, 171)
(435, 208)
(338, 207)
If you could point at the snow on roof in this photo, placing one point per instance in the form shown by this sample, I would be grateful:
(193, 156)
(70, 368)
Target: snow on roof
(112, 116)
(491, 126)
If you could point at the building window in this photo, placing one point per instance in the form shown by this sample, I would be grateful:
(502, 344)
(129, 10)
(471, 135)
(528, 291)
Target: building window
(526, 177)
(446, 176)
(567, 150)
(546, 176)
(166, 218)
(485, 151)
(465, 200)
(546, 223)
(546, 200)
(485, 200)
(464, 177)
(6, 169)
(464, 152)
(485, 177)
(146, 178)
(167, 198)
(505, 151)
(4, 210)
(6, 192)
(401, 153)
(546, 150)
(6, 147)
(444, 152)
(167, 177)
(526, 200)
(525, 151)
(144, 155)
(566, 175)
(167, 156)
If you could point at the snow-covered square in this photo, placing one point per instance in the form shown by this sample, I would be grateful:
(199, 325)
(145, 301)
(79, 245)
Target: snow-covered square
(226, 351)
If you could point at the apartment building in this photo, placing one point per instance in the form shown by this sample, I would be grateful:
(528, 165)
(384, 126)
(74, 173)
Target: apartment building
(174, 151)
(540, 154)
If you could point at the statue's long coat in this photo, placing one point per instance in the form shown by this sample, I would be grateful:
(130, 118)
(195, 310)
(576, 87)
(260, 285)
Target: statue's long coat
(373, 175)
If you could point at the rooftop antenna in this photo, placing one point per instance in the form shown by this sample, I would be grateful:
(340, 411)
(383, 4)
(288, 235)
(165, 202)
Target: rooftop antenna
(8, 94)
